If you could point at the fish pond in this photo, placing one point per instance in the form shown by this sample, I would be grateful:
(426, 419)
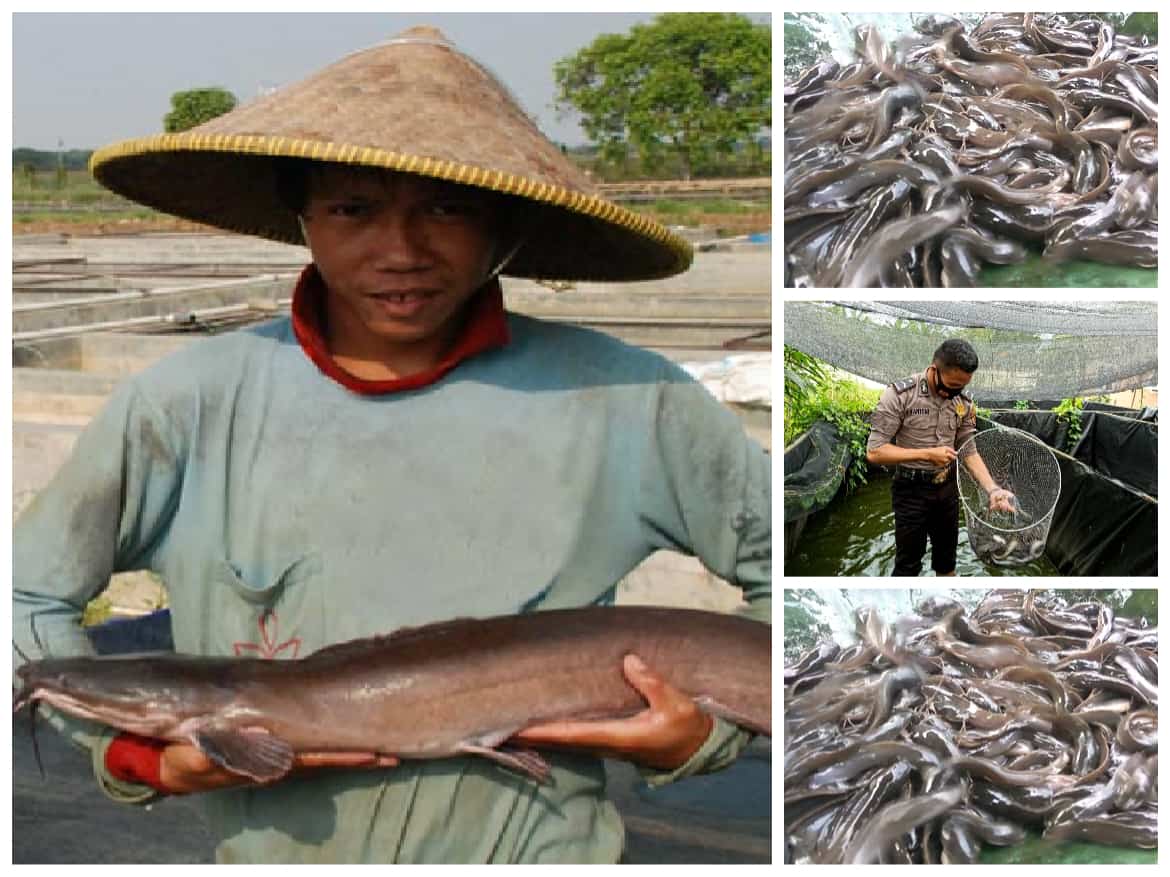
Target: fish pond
(854, 536)
(917, 650)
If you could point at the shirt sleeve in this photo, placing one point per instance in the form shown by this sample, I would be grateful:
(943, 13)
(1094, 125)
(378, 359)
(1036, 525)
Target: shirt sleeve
(722, 746)
(886, 420)
(966, 428)
(103, 512)
(707, 489)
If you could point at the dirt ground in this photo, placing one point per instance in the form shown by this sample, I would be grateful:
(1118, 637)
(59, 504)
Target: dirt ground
(112, 226)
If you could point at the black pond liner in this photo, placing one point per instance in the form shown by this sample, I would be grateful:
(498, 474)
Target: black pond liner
(1106, 520)
(1119, 447)
(814, 468)
(1150, 414)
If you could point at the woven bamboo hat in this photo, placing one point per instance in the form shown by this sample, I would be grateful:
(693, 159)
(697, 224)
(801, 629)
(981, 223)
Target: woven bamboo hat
(414, 104)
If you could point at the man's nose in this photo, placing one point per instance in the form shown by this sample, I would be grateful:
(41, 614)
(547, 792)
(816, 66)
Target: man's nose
(401, 241)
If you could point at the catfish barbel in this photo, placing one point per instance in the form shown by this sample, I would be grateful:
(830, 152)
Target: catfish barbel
(459, 687)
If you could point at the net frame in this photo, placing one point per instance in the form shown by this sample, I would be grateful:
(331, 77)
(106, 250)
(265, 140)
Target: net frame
(977, 523)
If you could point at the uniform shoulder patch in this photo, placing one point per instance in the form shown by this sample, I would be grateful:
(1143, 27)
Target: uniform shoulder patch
(904, 385)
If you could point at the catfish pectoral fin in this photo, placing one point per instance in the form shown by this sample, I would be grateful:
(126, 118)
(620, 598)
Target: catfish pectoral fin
(525, 761)
(253, 753)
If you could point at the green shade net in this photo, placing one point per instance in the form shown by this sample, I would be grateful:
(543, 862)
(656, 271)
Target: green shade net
(1027, 350)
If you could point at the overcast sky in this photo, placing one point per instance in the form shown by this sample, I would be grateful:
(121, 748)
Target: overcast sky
(90, 79)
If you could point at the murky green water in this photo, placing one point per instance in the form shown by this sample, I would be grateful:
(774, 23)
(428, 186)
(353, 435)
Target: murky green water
(854, 536)
(1035, 271)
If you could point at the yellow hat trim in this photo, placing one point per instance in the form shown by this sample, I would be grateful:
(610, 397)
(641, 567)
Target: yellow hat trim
(577, 202)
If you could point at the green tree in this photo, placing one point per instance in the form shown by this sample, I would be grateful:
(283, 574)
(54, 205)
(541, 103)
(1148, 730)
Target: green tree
(802, 46)
(698, 85)
(194, 107)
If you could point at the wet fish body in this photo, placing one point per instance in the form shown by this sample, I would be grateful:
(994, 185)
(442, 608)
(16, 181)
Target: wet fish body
(454, 688)
(1027, 713)
(1023, 124)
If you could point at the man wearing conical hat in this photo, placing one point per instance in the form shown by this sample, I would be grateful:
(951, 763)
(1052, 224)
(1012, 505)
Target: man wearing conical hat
(399, 450)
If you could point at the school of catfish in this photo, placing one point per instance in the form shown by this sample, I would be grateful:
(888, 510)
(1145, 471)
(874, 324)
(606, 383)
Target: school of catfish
(942, 151)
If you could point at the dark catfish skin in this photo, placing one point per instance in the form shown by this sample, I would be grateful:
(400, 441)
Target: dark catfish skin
(445, 689)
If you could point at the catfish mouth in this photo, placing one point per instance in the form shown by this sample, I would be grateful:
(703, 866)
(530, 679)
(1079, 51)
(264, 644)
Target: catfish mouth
(35, 695)
(129, 717)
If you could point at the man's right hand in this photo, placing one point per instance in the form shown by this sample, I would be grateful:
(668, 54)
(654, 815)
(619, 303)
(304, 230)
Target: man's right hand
(185, 769)
(940, 456)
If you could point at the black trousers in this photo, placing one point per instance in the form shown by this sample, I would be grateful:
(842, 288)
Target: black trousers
(921, 510)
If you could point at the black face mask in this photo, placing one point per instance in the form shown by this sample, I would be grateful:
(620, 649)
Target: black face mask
(942, 389)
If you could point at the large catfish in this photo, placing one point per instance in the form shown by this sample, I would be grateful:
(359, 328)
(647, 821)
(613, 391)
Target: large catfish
(452, 688)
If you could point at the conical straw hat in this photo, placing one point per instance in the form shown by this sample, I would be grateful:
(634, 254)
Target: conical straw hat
(413, 104)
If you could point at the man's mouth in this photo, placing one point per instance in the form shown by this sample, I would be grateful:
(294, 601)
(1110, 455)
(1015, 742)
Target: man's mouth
(402, 297)
(404, 305)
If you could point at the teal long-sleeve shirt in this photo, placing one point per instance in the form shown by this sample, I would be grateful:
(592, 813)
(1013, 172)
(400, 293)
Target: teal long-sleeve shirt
(285, 513)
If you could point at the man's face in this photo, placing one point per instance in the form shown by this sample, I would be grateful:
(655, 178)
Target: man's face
(949, 382)
(399, 254)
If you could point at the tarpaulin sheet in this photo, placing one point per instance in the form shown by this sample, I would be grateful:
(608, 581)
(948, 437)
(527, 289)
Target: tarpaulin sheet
(1121, 448)
(1045, 425)
(1100, 526)
(1117, 447)
(1048, 404)
(814, 466)
(1121, 411)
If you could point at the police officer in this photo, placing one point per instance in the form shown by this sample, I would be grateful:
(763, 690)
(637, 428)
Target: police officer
(916, 427)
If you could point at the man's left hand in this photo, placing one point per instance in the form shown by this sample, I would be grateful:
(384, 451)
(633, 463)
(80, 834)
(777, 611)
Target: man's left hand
(664, 735)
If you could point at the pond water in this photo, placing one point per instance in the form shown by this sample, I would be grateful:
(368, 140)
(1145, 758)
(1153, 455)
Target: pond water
(854, 536)
(811, 615)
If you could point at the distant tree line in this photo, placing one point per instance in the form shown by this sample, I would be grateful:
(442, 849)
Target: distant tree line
(46, 160)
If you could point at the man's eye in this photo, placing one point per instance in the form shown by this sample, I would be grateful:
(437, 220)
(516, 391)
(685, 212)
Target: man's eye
(350, 209)
(453, 208)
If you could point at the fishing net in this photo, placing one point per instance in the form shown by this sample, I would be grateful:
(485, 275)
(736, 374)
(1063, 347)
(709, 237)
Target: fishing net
(1027, 350)
(1027, 467)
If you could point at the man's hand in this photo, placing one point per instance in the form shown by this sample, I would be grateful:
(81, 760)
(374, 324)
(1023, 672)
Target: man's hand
(185, 769)
(1001, 500)
(940, 456)
(664, 735)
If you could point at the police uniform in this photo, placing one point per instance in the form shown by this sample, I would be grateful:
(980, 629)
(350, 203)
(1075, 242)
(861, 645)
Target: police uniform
(926, 498)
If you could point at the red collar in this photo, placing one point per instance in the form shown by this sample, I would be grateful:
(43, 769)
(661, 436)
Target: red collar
(486, 328)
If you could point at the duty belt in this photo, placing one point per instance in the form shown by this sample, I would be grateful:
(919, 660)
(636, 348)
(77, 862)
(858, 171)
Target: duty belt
(933, 476)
